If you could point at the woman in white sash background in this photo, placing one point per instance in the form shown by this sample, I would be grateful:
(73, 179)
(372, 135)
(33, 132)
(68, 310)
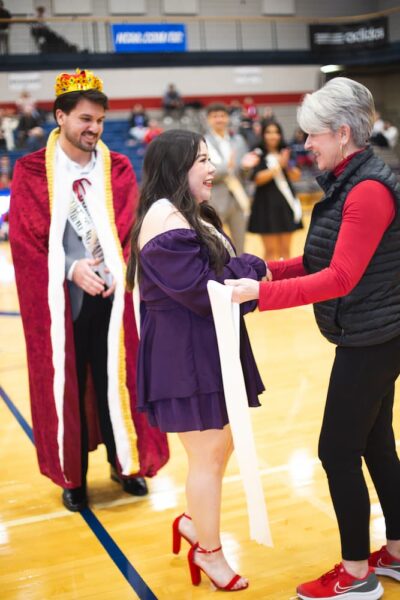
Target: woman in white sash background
(275, 212)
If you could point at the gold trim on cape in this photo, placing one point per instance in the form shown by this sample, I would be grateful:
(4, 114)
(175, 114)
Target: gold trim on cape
(124, 398)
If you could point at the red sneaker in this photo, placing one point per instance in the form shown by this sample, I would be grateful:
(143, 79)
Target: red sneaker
(385, 564)
(338, 583)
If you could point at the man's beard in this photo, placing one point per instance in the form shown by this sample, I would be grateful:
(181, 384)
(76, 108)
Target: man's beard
(81, 145)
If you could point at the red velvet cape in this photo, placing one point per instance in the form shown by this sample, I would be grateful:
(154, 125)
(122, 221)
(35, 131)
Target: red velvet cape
(29, 237)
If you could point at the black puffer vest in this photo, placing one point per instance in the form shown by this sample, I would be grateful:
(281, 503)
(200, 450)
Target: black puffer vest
(370, 313)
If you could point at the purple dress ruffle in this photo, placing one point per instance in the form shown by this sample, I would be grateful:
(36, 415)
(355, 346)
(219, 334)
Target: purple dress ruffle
(179, 380)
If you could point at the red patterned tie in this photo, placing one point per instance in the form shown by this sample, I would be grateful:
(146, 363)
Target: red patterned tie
(79, 189)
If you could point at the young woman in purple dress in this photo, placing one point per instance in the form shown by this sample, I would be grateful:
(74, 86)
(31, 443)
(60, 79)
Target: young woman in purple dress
(178, 246)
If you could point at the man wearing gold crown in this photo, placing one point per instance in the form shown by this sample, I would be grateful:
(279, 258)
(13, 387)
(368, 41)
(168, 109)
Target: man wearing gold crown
(72, 207)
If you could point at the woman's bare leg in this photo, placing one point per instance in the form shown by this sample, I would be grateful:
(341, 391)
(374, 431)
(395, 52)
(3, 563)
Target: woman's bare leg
(271, 245)
(208, 453)
(187, 526)
(285, 240)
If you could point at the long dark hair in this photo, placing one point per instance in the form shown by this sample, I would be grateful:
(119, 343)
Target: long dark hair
(282, 144)
(167, 162)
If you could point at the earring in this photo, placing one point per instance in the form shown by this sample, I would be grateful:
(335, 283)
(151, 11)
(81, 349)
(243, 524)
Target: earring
(343, 150)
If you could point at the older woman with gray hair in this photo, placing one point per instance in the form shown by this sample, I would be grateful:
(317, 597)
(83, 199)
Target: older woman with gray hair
(350, 271)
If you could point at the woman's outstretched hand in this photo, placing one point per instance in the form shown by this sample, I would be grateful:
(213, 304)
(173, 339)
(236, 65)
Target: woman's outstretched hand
(243, 289)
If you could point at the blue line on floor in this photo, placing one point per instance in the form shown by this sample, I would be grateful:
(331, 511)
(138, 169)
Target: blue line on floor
(25, 426)
(114, 552)
(9, 313)
(123, 564)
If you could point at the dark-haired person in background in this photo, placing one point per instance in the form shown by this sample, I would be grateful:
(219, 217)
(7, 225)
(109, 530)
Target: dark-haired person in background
(72, 207)
(275, 211)
(4, 29)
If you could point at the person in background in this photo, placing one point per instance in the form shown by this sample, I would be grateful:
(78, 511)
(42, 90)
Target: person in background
(8, 125)
(299, 156)
(177, 247)
(350, 271)
(154, 129)
(172, 102)
(226, 152)
(3, 142)
(5, 182)
(235, 114)
(5, 172)
(391, 133)
(267, 115)
(46, 40)
(3, 227)
(250, 108)
(29, 132)
(4, 29)
(26, 103)
(378, 123)
(138, 122)
(304, 160)
(39, 26)
(275, 211)
(71, 212)
(250, 130)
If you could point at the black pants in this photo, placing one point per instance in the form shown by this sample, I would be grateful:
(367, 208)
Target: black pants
(358, 423)
(90, 336)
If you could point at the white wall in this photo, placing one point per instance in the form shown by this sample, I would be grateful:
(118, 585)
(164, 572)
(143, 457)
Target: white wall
(202, 81)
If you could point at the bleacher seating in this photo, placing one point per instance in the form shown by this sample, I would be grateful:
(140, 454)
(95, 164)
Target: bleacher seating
(115, 136)
(390, 157)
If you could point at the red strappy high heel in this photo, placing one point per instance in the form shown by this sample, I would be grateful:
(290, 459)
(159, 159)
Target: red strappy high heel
(195, 570)
(177, 535)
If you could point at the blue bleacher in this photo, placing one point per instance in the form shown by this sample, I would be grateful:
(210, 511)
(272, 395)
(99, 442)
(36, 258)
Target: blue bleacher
(115, 136)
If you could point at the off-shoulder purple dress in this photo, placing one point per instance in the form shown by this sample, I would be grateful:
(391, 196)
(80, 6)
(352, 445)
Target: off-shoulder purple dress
(179, 377)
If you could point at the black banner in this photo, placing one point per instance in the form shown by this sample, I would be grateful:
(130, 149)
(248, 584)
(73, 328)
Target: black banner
(365, 34)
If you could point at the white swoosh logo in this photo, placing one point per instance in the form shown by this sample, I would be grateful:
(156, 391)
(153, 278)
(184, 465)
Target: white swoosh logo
(382, 564)
(338, 589)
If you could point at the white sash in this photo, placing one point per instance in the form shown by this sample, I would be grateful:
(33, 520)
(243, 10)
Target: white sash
(284, 188)
(136, 301)
(226, 320)
(231, 180)
(80, 220)
(226, 243)
(82, 223)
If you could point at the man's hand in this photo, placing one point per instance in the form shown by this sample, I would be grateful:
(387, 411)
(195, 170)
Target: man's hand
(244, 289)
(85, 277)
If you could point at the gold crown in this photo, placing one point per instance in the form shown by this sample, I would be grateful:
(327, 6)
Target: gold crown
(79, 82)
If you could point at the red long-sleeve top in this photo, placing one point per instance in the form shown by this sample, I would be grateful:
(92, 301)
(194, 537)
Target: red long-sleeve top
(367, 213)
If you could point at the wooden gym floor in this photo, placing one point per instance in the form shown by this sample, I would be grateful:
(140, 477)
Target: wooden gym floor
(120, 548)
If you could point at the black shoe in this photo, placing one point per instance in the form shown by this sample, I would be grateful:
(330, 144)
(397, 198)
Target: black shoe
(75, 499)
(136, 486)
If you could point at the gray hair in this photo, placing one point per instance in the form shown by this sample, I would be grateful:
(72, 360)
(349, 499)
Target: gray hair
(341, 101)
